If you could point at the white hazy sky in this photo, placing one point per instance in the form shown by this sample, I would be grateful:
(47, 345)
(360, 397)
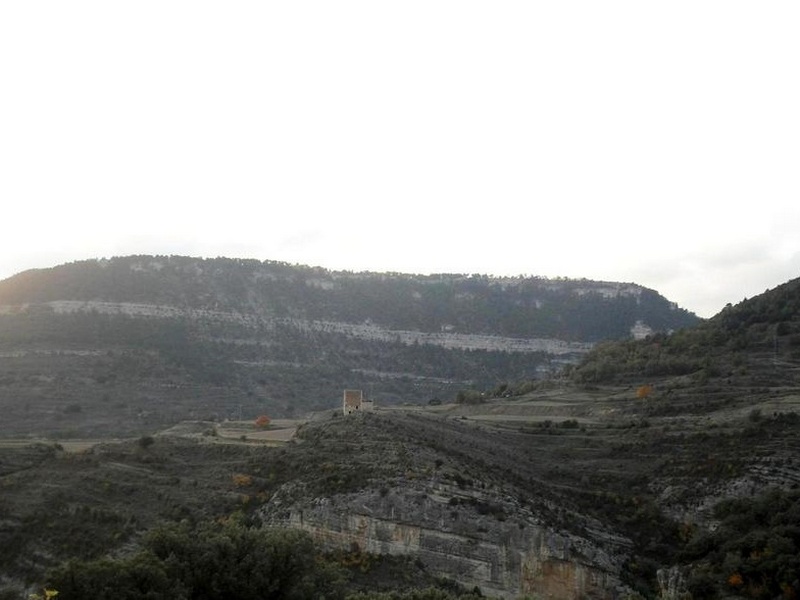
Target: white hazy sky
(653, 142)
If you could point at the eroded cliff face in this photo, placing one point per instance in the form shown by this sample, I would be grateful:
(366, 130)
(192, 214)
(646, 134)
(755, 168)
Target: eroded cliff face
(476, 539)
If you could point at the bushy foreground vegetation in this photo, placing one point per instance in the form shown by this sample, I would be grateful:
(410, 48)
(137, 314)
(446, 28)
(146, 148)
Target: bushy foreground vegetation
(754, 552)
(214, 561)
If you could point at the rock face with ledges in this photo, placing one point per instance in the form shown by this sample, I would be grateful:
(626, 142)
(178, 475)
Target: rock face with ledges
(506, 551)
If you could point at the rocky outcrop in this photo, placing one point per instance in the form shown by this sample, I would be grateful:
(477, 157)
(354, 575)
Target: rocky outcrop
(476, 539)
(672, 584)
(361, 331)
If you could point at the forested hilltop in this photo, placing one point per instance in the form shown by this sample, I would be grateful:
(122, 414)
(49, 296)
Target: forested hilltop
(519, 307)
(757, 340)
(128, 343)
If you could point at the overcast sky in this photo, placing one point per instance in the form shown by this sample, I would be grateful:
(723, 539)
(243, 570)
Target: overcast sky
(647, 142)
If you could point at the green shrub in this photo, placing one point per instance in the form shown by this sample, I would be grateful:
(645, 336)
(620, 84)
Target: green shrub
(209, 562)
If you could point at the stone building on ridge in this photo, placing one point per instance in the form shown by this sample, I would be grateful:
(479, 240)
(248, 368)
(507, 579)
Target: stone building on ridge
(353, 401)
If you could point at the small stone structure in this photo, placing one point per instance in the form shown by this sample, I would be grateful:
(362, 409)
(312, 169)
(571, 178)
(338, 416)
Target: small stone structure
(354, 401)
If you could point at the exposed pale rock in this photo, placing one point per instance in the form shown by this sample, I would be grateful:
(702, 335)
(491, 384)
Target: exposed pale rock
(506, 552)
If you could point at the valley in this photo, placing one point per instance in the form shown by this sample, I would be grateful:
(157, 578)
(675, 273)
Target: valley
(513, 452)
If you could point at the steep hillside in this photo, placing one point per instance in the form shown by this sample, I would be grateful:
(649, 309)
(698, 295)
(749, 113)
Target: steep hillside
(754, 343)
(734, 381)
(131, 344)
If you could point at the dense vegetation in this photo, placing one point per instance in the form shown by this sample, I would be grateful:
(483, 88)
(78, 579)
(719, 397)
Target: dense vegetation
(213, 561)
(754, 552)
(763, 330)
